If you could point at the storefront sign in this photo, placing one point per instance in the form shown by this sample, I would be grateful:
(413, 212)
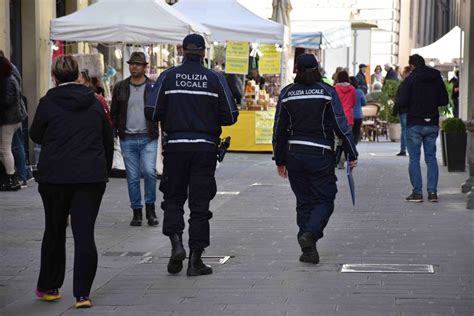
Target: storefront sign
(237, 58)
(264, 127)
(270, 61)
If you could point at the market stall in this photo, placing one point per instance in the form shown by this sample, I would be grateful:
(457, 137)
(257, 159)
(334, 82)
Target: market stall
(117, 21)
(437, 54)
(233, 24)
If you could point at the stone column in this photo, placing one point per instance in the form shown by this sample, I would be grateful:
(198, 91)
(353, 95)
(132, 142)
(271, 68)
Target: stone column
(467, 94)
(35, 19)
(5, 27)
(467, 186)
(71, 7)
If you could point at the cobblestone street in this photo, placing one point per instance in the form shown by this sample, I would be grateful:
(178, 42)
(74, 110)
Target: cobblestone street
(255, 224)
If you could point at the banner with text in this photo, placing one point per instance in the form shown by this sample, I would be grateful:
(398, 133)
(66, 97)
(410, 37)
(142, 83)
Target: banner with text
(270, 61)
(237, 58)
(264, 127)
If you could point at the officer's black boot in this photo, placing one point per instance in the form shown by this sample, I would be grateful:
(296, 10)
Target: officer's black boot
(307, 243)
(178, 254)
(195, 265)
(151, 215)
(137, 217)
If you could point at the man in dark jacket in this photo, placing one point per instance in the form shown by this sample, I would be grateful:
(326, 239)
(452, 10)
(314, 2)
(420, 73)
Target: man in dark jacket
(391, 73)
(361, 81)
(236, 86)
(192, 103)
(421, 94)
(138, 138)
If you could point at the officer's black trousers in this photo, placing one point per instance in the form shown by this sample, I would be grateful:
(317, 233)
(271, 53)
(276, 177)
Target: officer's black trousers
(188, 175)
(82, 201)
(313, 180)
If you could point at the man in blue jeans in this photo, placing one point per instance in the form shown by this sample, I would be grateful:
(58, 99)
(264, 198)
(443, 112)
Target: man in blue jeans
(138, 138)
(421, 94)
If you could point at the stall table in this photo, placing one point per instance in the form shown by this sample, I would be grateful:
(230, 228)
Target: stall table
(252, 132)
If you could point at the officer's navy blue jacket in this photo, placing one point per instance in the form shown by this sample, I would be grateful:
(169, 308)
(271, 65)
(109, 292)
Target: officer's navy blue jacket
(192, 103)
(305, 121)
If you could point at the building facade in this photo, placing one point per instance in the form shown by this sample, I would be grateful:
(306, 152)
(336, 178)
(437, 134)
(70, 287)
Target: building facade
(24, 38)
(425, 21)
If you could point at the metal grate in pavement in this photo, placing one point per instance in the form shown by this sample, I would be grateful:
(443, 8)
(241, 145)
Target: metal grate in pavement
(124, 254)
(207, 259)
(388, 268)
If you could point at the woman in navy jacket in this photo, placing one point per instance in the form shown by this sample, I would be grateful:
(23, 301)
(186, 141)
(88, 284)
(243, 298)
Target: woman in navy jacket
(307, 116)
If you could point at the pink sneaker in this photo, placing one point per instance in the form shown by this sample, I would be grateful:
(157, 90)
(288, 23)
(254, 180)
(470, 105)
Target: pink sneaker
(48, 296)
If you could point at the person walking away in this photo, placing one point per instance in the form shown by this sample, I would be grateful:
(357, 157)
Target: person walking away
(18, 142)
(96, 85)
(324, 78)
(361, 81)
(376, 76)
(422, 93)
(358, 115)
(347, 96)
(12, 113)
(334, 75)
(402, 112)
(391, 73)
(398, 72)
(307, 116)
(455, 93)
(235, 84)
(192, 103)
(85, 80)
(138, 138)
(76, 156)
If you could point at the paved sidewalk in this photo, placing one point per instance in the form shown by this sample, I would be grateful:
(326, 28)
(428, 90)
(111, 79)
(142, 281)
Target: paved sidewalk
(257, 227)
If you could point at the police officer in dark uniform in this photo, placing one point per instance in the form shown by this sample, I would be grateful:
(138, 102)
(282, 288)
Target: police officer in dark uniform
(308, 114)
(192, 103)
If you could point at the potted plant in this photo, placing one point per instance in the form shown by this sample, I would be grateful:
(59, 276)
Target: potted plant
(455, 139)
(445, 112)
(387, 99)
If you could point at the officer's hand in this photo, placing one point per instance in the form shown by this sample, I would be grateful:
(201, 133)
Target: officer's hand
(353, 164)
(282, 172)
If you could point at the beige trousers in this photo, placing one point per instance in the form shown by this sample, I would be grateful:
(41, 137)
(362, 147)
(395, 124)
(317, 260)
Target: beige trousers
(6, 138)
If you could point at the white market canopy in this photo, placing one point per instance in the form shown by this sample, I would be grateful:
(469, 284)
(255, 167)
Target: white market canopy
(228, 20)
(446, 49)
(321, 34)
(126, 21)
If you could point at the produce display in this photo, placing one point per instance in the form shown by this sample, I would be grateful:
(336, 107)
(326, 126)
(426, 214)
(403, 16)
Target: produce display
(256, 99)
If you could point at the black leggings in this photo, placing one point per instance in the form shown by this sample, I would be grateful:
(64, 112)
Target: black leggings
(82, 201)
(356, 129)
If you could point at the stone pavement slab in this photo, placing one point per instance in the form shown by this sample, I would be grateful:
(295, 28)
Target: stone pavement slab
(254, 222)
